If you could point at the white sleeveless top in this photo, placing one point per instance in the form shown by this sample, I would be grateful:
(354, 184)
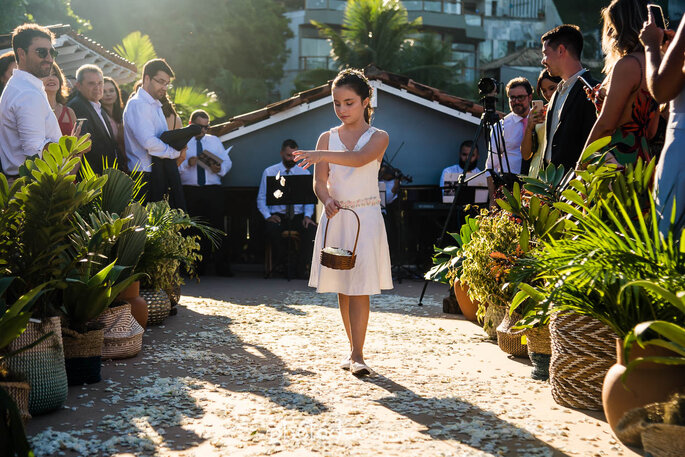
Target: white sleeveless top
(355, 188)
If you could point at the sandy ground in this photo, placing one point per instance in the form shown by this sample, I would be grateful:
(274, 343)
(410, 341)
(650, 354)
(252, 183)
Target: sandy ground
(249, 367)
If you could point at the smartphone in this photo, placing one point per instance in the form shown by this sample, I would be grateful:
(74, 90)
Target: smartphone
(582, 80)
(658, 15)
(79, 123)
(537, 105)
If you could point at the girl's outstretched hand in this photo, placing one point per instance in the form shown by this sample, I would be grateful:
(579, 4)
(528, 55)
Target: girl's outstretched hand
(332, 207)
(307, 158)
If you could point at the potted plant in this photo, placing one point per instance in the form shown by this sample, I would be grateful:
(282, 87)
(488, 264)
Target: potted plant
(41, 204)
(497, 234)
(14, 390)
(447, 268)
(167, 248)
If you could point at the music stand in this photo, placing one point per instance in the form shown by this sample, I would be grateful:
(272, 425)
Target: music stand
(289, 190)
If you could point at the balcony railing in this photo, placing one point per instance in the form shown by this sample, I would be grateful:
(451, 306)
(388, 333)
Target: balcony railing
(437, 6)
(316, 62)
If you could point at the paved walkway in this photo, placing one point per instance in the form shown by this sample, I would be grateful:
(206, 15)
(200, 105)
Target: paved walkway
(249, 367)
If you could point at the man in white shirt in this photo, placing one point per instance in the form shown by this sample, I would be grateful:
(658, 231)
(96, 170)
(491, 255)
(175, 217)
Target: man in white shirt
(204, 194)
(144, 122)
(275, 216)
(472, 167)
(86, 105)
(508, 140)
(27, 123)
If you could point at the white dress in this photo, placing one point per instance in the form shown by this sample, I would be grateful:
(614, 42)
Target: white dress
(355, 188)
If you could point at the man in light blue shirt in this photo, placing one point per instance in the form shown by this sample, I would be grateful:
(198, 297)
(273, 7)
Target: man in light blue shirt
(144, 122)
(275, 216)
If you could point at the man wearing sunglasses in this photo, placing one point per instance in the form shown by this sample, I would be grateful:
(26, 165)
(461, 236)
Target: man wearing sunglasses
(508, 142)
(144, 123)
(205, 164)
(27, 123)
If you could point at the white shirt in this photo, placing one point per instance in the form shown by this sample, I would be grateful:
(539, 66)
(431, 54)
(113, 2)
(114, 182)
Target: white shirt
(454, 169)
(212, 144)
(144, 122)
(557, 101)
(27, 122)
(512, 130)
(273, 170)
(98, 109)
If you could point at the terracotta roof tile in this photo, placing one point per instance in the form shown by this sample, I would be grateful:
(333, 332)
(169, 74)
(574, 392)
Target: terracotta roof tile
(317, 93)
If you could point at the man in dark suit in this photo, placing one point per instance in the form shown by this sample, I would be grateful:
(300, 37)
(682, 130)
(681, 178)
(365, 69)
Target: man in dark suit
(571, 115)
(86, 105)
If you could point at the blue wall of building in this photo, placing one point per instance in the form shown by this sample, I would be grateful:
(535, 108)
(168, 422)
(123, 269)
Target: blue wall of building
(431, 140)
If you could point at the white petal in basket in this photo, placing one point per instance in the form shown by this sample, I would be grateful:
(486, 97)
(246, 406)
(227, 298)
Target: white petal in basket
(337, 251)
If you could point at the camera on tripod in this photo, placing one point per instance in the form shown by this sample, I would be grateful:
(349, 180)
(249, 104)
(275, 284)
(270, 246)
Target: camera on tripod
(488, 90)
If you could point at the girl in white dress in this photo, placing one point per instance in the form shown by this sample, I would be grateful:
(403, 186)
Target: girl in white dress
(347, 160)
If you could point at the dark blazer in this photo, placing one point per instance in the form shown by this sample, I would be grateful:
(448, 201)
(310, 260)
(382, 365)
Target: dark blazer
(104, 143)
(575, 122)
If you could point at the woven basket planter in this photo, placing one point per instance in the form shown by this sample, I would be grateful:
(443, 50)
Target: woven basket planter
(509, 340)
(158, 305)
(42, 366)
(83, 356)
(493, 317)
(583, 350)
(19, 391)
(539, 345)
(123, 335)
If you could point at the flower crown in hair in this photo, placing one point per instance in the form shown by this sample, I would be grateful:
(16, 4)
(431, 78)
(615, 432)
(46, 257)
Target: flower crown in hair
(358, 73)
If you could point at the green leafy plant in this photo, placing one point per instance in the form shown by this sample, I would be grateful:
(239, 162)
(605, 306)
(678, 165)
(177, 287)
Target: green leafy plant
(47, 200)
(669, 335)
(447, 261)
(14, 318)
(591, 270)
(167, 247)
(487, 258)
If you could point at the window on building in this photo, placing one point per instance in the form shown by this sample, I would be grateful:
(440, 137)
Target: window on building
(452, 6)
(316, 4)
(494, 9)
(315, 53)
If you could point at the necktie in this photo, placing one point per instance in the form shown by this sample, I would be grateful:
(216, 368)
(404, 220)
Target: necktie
(201, 178)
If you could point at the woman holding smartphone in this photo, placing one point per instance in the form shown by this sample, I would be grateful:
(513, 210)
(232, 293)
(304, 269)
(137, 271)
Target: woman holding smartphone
(629, 114)
(534, 136)
(666, 81)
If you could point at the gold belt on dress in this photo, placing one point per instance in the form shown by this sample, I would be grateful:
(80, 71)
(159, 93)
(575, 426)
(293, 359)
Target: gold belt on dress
(360, 203)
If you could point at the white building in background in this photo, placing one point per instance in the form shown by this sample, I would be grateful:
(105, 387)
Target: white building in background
(477, 30)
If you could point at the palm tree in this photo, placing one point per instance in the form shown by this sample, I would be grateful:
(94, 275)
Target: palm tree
(374, 31)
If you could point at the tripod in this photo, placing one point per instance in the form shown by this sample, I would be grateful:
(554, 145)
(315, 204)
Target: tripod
(490, 124)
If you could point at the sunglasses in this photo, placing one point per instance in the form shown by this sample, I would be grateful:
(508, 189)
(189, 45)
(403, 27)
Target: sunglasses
(43, 52)
(517, 98)
(205, 127)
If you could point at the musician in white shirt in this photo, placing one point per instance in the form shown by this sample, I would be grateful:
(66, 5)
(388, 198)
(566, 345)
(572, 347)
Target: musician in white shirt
(27, 123)
(205, 196)
(275, 215)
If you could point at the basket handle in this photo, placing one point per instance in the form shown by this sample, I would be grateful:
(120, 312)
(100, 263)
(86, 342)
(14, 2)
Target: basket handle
(325, 233)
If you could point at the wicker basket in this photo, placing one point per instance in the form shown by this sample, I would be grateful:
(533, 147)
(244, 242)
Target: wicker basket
(19, 391)
(123, 334)
(509, 340)
(492, 318)
(340, 262)
(664, 440)
(583, 350)
(83, 356)
(158, 305)
(42, 366)
(539, 351)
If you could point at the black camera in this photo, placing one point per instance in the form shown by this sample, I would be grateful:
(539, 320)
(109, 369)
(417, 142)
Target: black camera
(488, 90)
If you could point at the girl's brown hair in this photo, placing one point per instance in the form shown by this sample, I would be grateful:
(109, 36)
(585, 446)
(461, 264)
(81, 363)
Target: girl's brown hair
(118, 108)
(356, 80)
(62, 90)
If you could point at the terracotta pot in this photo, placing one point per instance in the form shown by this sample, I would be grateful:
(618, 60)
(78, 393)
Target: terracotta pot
(468, 306)
(647, 383)
(138, 304)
